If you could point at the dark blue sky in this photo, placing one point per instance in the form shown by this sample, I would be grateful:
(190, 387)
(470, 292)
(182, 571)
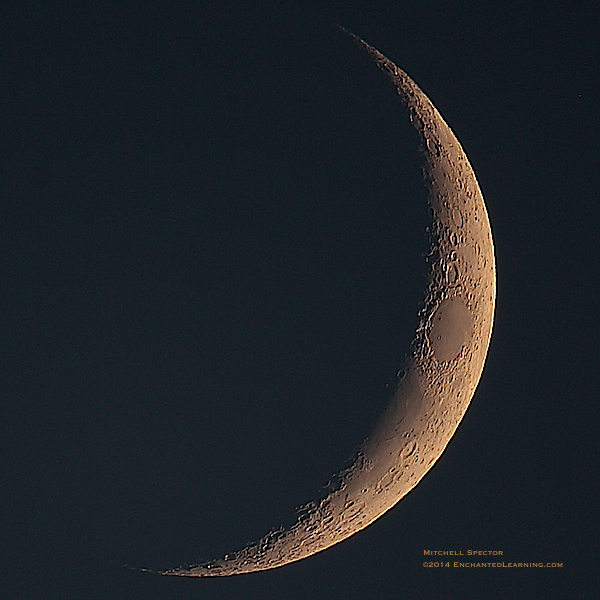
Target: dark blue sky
(211, 262)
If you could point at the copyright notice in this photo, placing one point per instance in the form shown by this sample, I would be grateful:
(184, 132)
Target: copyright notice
(476, 562)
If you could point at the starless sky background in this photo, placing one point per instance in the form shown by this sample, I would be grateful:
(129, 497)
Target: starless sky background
(211, 260)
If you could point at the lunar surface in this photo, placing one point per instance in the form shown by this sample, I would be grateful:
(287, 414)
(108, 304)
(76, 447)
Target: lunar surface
(435, 386)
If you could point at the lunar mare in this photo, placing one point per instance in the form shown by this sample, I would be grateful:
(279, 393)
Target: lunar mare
(435, 386)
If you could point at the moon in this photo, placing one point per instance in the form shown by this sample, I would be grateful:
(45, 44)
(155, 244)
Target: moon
(434, 387)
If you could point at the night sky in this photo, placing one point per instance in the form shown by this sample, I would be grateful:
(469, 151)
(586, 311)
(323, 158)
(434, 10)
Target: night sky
(212, 242)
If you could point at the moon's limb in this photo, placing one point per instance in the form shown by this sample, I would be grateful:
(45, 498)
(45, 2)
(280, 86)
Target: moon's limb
(436, 385)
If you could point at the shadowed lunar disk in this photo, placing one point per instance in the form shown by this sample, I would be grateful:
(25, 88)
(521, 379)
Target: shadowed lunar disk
(439, 379)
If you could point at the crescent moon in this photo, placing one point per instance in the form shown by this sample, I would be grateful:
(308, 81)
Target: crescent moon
(435, 386)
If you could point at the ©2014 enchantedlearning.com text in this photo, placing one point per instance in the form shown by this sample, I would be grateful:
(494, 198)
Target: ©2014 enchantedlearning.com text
(502, 563)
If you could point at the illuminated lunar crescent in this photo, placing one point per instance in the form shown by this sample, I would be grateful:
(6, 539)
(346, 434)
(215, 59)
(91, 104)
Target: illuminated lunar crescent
(439, 379)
